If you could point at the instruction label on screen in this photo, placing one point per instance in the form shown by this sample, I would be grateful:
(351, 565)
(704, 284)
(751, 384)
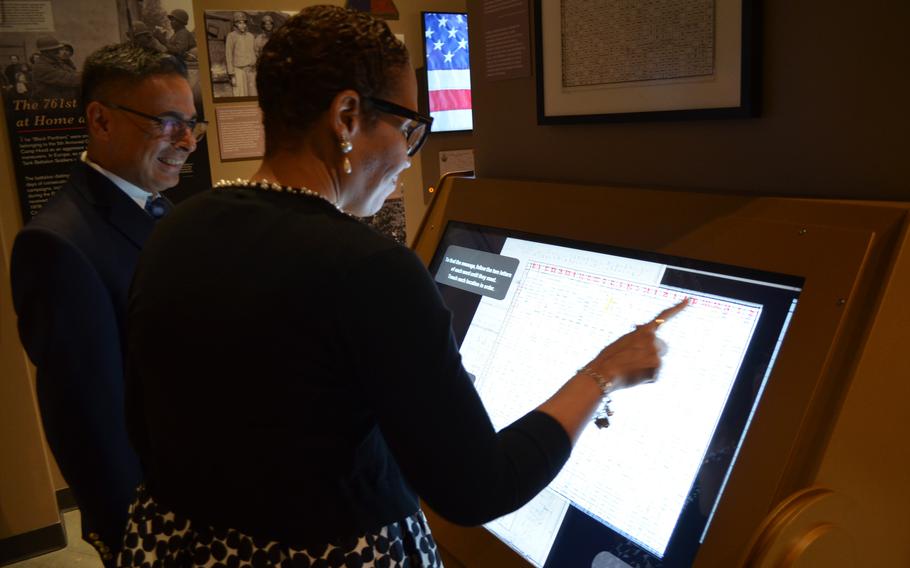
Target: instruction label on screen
(477, 271)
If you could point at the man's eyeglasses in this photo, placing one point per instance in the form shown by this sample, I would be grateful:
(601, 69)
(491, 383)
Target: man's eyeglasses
(172, 127)
(417, 129)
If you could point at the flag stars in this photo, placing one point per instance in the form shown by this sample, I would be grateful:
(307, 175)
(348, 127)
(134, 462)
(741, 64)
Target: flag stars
(443, 44)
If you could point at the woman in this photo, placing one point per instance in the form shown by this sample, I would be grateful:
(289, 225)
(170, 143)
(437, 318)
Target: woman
(293, 379)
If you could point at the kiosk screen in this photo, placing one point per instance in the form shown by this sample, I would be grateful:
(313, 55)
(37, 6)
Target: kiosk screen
(529, 310)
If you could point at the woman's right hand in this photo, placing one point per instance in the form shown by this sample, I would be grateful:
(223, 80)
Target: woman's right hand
(634, 358)
(631, 360)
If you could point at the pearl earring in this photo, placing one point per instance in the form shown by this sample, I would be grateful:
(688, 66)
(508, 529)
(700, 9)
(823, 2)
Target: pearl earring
(346, 147)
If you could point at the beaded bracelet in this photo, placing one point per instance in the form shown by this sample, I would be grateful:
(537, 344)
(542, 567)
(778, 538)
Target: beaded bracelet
(602, 416)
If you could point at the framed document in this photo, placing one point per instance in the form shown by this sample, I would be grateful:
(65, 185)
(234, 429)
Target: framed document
(614, 61)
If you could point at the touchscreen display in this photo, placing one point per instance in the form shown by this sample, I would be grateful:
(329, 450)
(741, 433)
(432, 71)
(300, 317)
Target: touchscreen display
(529, 310)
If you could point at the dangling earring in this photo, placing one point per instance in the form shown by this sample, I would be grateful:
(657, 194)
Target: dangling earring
(346, 147)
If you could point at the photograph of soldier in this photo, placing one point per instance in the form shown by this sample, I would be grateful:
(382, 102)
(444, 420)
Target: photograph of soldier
(142, 36)
(267, 26)
(54, 73)
(166, 26)
(178, 40)
(240, 57)
(235, 39)
(11, 68)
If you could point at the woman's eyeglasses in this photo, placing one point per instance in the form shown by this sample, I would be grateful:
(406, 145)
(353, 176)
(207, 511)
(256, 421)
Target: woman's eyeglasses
(417, 129)
(168, 126)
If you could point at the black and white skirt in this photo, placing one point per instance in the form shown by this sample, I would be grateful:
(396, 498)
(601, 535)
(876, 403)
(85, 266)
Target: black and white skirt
(157, 538)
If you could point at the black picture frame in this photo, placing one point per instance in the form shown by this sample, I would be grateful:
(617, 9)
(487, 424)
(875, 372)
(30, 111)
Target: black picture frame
(604, 105)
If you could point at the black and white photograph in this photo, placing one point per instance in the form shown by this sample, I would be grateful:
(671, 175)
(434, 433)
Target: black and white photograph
(235, 39)
(166, 26)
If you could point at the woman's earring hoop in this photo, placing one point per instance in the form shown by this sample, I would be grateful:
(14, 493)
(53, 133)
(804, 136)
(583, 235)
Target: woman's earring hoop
(346, 147)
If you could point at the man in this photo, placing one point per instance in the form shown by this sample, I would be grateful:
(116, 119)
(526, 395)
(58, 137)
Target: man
(182, 42)
(72, 264)
(240, 58)
(54, 74)
(142, 36)
(267, 24)
(10, 70)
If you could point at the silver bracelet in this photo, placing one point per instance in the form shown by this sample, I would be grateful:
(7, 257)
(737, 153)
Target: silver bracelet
(602, 416)
(605, 384)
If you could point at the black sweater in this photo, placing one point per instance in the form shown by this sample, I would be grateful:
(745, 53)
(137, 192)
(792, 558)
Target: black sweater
(293, 375)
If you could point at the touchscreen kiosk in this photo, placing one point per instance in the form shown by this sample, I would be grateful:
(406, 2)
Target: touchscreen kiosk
(529, 310)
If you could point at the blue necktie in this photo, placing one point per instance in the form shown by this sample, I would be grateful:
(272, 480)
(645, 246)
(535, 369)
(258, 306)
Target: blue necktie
(157, 207)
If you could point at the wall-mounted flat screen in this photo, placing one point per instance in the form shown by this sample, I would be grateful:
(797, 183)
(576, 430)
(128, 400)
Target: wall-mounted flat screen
(445, 36)
(529, 310)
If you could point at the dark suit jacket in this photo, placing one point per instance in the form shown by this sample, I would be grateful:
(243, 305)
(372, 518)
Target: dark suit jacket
(71, 269)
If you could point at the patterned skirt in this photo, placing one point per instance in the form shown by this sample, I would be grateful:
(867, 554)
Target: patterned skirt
(158, 538)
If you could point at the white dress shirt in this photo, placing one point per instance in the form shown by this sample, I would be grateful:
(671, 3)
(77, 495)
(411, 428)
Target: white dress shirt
(134, 192)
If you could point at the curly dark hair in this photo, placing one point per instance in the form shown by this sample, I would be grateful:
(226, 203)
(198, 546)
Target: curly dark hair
(316, 54)
(124, 65)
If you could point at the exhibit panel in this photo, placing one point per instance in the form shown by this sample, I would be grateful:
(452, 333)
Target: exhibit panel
(700, 468)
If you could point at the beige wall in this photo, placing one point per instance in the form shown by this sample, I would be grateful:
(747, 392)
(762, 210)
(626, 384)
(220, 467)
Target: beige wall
(27, 500)
(834, 123)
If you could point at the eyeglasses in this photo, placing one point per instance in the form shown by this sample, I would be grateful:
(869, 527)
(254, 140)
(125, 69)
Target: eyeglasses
(169, 126)
(418, 127)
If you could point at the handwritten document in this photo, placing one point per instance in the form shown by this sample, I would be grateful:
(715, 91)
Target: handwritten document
(619, 41)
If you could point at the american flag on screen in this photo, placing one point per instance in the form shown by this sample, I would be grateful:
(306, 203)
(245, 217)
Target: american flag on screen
(448, 70)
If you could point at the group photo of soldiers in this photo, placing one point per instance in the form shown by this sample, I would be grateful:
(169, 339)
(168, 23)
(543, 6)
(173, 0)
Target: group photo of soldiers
(235, 39)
